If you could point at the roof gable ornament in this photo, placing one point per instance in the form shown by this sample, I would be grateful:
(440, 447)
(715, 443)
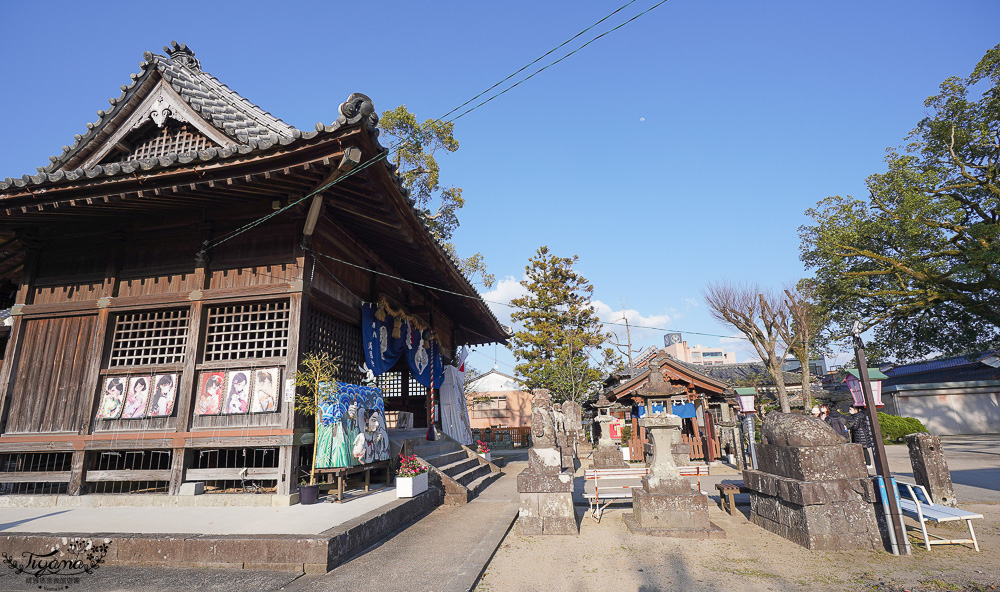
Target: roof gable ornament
(181, 54)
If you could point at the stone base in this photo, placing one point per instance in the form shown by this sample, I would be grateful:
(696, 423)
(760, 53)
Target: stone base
(547, 513)
(608, 458)
(670, 512)
(832, 526)
(531, 482)
(712, 531)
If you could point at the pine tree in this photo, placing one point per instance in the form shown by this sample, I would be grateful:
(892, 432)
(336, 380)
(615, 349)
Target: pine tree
(560, 328)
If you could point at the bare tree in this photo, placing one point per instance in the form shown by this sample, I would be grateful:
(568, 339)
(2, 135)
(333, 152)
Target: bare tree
(800, 335)
(761, 317)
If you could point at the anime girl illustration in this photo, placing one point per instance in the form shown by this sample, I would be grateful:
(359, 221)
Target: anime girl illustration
(114, 396)
(264, 391)
(210, 395)
(238, 399)
(138, 398)
(162, 402)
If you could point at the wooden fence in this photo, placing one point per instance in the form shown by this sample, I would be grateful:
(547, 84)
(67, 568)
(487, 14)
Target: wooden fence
(503, 437)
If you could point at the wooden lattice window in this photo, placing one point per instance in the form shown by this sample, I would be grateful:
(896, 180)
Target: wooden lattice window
(244, 331)
(391, 384)
(339, 339)
(149, 338)
(170, 138)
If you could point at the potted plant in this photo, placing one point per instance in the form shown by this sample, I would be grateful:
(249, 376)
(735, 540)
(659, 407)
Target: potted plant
(318, 379)
(411, 477)
(626, 435)
(483, 449)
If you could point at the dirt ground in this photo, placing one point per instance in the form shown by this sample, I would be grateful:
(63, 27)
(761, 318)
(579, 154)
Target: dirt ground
(605, 557)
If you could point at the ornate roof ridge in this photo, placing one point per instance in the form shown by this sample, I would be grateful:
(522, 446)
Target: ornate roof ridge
(219, 105)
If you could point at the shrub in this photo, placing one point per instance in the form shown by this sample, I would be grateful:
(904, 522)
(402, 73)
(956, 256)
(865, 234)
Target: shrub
(626, 435)
(895, 429)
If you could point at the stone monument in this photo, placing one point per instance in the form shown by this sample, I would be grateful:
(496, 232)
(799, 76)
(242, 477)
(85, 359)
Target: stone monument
(930, 469)
(810, 487)
(667, 504)
(574, 422)
(607, 455)
(658, 388)
(545, 488)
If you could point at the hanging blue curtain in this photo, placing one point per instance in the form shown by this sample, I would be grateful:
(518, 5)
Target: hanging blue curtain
(381, 348)
(683, 410)
(424, 361)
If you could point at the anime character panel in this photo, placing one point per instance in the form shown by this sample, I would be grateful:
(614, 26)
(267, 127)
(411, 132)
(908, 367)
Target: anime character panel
(237, 392)
(266, 385)
(210, 393)
(138, 397)
(161, 403)
(113, 399)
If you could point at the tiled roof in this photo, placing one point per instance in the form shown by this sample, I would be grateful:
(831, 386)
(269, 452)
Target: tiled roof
(217, 104)
(733, 373)
(252, 128)
(938, 364)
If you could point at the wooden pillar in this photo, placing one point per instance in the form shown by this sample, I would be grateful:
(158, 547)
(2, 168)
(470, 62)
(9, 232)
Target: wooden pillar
(25, 295)
(181, 458)
(710, 436)
(298, 323)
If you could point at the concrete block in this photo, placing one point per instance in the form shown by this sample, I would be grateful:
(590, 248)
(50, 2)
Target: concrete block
(192, 488)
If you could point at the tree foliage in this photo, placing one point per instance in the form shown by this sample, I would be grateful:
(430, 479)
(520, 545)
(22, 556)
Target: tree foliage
(918, 262)
(760, 316)
(415, 150)
(560, 328)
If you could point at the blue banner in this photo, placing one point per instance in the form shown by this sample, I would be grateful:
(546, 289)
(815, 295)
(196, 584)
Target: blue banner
(382, 350)
(683, 410)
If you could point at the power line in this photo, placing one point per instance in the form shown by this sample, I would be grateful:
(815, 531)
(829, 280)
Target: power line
(392, 148)
(497, 302)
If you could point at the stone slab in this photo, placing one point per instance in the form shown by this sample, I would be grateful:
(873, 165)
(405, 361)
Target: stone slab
(807, 493)
(531, 482)
(930, 468)
(711, 532)
(608, 457)
(547, 513)
(671, 512)
(813, 463)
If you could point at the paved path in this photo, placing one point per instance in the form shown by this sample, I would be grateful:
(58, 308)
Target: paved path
(443, 552)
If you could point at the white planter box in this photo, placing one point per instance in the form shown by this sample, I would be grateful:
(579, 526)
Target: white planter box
(488, 456)
(411, 486)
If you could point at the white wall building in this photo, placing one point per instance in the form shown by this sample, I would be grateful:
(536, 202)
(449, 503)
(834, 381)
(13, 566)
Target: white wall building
(701, 355)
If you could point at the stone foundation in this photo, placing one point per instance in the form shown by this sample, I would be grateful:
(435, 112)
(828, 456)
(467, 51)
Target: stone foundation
(811, 488)
(546, 504)
(607, 457)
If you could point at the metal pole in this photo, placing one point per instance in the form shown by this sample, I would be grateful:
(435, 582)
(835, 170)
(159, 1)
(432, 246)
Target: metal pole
(895, 519)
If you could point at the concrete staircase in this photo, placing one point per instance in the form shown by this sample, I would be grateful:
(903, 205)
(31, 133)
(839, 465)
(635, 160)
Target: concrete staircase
(456, 469)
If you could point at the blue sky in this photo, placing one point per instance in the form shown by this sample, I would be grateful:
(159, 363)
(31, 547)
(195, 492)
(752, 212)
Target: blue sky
(679, 150)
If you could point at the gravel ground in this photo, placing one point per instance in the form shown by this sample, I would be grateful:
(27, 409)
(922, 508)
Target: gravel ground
(606, 557)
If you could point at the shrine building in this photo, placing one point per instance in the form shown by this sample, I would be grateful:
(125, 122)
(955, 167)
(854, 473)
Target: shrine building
(167, 272)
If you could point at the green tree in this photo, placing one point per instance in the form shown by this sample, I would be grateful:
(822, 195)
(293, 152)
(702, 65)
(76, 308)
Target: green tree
(560, 328)
(918, 262)
(318, 377)
(416, 147)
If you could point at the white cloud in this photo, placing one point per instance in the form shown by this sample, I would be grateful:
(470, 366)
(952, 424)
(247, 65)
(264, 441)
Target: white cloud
(644, 330)
(504, 291)
(691, 302)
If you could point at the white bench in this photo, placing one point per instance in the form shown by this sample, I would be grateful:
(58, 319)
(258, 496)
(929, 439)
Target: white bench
(915, 503)
(618, 483)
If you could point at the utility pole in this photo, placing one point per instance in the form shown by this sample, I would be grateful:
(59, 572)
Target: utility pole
(628, 346)
(900, 545)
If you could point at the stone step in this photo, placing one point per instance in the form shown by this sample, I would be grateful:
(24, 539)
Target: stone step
(470, 475)
(428, 449)
(477, 485)
(459, 467)
(447, 458)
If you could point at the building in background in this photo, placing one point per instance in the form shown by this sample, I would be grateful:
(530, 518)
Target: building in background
(700, 355)
(817, 367)
(498, 400)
